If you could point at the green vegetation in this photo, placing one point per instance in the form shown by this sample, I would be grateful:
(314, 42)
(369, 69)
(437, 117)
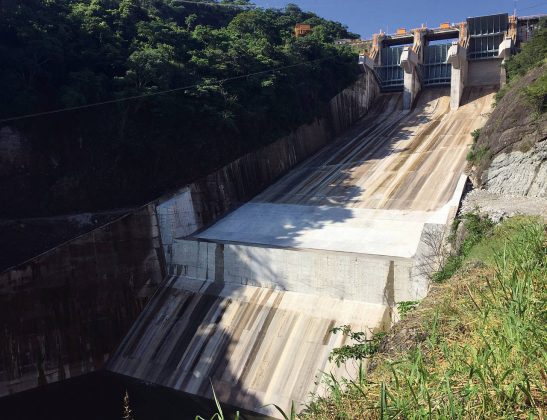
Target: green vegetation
(536, 94)
(477, 229)
(219, 415)
(482, 348)
(533, 54)
(475, 134)
(476, 154)
(66, 53)
(361, 347)
(406, 306)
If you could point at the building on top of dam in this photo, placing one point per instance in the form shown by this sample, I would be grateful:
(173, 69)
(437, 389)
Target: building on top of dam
(456, 55)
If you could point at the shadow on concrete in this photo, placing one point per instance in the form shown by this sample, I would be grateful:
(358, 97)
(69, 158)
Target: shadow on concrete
(187, 339)
(64, 312)
(325, 189)
(25, 238)
(184, 341)
(472, 93)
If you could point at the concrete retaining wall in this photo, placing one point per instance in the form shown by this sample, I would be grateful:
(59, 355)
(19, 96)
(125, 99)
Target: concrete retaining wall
(361, 277)
(63, 312)
(204, 201)
(484, 72)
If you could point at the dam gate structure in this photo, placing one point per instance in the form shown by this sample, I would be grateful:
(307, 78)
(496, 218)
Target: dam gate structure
(250, 301)
(458, 55)
(238, 279)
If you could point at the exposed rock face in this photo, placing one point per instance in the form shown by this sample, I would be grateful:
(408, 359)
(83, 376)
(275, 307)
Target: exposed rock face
(501, 206)
(519, 173)
(512, 175)
(513, 141)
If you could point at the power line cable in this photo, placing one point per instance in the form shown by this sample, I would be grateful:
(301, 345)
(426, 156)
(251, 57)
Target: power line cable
(212, 4)
(533, 6)
(162, 92)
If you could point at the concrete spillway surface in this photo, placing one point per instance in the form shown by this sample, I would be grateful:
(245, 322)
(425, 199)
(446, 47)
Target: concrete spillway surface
(251, 300)
(373, 190)
(254, 345)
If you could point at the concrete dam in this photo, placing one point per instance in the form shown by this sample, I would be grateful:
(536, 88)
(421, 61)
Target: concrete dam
(237, 279)
(250, 301)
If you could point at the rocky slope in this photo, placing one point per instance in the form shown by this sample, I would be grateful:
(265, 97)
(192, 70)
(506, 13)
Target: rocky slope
(509, 160)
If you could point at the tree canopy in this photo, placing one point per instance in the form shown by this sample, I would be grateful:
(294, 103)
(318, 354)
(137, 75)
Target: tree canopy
(68, 53)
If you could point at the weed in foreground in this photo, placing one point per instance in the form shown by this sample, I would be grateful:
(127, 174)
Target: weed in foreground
(484, 355)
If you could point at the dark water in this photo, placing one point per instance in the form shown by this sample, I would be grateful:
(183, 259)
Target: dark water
(99, 396)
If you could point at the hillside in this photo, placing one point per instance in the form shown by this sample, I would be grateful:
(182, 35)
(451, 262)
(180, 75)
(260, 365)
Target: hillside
(509, 157)
(67, 53)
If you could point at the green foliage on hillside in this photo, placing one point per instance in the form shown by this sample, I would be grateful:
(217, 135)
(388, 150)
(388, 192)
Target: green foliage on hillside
(532, 54)
(477, 228)
(66, 53)
(480, 347)
(536, 94)
(475, 154)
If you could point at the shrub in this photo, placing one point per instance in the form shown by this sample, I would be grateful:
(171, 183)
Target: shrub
(475, 134)
(477, 227)
(532, 54)
(536, 94)
(362, 348)
(482, 354)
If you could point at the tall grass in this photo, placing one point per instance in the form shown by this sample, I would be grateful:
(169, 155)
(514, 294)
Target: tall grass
(483, 355)
(477, 228)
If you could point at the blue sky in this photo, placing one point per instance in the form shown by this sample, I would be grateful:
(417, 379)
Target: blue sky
(366, 17)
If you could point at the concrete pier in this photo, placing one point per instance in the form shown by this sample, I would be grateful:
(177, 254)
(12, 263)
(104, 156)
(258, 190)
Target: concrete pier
(412, 82)
(457, 57)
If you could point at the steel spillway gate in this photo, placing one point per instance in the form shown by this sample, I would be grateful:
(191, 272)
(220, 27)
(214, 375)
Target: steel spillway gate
(485, 35)
(435, 70)
(390, 71)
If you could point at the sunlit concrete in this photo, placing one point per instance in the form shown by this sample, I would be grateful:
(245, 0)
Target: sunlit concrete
(371, 193)
(457, 57)
(256, 346)
(412, 86)
(365, 278)
(251, 300)
(365, 231)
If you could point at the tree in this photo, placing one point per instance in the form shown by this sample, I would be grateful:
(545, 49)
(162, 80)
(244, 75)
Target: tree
(65, 53)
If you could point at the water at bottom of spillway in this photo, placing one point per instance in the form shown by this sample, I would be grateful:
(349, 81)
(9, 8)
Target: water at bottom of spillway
(100, 396)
